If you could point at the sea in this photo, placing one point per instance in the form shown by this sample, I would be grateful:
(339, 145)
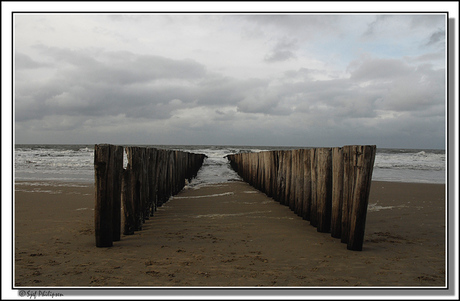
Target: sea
(75, 163)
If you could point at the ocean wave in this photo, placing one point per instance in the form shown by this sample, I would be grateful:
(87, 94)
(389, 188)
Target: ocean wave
(77, 162)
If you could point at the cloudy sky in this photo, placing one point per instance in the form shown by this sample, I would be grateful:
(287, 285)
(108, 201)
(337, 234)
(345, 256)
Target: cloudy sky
(231, 79)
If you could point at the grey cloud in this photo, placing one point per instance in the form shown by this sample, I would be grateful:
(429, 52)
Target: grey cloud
(437, 37)
(263, 104)
(123, 67)
(407, 25)
(374, 87)
(65, 55)
(400, 87)
(220, 90)
(300, 73)
(279, 56)
(427, 21)
(427, 58)
(306, 25)
(23, 61)
(378, 69)
(333, 100)
(138, 86)
(282, 51)
(375, 25)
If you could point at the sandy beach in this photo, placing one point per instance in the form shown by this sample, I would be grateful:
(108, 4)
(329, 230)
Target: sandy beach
(228, 235)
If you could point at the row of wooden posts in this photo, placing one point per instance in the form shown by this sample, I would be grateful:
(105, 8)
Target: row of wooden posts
(150, 178)
(327, 186)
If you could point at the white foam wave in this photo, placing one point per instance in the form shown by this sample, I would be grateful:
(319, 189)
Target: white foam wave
(216, 215)
(76, 163)
(203, 196)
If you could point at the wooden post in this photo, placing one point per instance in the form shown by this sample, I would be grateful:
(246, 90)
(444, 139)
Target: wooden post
(161, 176)
(145, 185)
(281, 185)
(299, 180)
(365, 164)
(313, 207)
(254, 165)
(349, 164)
(260, 171)
(293, 188)
(103, 212)
(135, 167)
(306, 162)
(243, 166)
(265, 172)
(152, 180)
(337, 192)
(288, 166)
(273, 176)
(128, 206)
(324, 189)
(116, 179)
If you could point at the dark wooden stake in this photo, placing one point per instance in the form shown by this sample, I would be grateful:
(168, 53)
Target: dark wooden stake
(116, 170)
(337, 192)
(103, 212)
(324, 189)
(365, 163)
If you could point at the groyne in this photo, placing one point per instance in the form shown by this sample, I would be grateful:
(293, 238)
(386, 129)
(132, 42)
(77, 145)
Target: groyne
(150, 178)
(329, 187)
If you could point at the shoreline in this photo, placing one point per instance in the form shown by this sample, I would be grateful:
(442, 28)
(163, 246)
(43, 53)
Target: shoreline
(20, 181)
(229, 235)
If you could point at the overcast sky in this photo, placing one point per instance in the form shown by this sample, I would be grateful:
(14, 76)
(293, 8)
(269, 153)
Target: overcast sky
(231, 79)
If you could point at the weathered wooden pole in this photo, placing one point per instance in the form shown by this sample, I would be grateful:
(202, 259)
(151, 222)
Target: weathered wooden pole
(135, 165)
(286, 187)
(306, 162)
(294, 178)
(170, 176)
(337, 192)
(175, 172)
(324, 189)
(347, 189)
(299, 186)
(103, 211)
(152, 180)
(242, 166)
(254, 167)
(265, 163)
(281, 178)
(349, 165)
(313, 207)
(292, 204)
(364, 168)
(128, 206)
(268, 166)
(115, 176)
(288, 166)
(145, 185)
(273, 173)
(248, 169)
(260, 171)
(253, 171)
(161, 175)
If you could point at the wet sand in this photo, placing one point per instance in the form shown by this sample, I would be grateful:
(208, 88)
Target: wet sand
(228, 235)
